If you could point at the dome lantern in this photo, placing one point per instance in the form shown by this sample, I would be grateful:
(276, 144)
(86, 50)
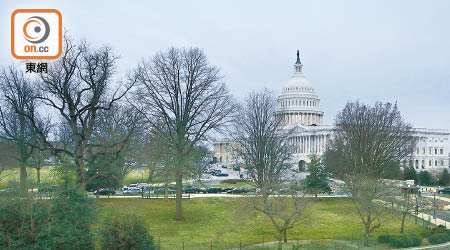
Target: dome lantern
(298, 64)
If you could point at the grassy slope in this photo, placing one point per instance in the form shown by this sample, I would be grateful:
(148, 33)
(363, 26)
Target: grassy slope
(222, 220)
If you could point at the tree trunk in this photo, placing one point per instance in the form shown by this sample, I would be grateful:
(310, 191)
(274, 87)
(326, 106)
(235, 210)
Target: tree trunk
(81, 180)
(285, 236)
(179, 195)
(38, 173)
(403, 223)
(23, 178)
(367, 228)
(97, 195)
(151, 171)
(78, 159)
(280, 239)
(166, 186)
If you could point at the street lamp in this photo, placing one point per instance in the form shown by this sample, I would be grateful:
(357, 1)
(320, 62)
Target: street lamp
(434, 204)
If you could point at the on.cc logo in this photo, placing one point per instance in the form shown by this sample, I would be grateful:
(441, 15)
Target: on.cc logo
(36, 34)
(37, 25)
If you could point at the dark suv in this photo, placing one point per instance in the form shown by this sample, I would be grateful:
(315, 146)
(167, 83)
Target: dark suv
(210, 190)
(444, 191)
(190, 190)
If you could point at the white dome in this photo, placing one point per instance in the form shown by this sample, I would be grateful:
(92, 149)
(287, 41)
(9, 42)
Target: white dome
(298, 84)
(298, 102)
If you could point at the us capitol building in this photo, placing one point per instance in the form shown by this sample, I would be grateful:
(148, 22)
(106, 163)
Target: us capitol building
(299, 105)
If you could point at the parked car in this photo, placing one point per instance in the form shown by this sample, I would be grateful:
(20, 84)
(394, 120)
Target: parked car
(226, 190)
(444, 190)
(284, 190)
(190, 190)
(210, 190)
(162, 190)
(105, 191)
(237, 191)
(236, 168)
(132, 191)
(221, 174)
(3, 192)
(223, 166)
(141, 185)
(253, 190)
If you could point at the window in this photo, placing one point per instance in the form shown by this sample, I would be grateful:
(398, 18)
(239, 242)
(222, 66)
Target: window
(430, 163)
(442, 151)
(435, 151)
(435, 163)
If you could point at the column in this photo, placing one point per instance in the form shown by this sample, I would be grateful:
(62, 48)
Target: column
(316, 141)
(296, 144)
(303, 144)
(323, 144)
(309, 145)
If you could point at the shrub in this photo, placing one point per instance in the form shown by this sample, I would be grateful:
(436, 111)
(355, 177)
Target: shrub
(435, 230)
(404, 241)
(437, 235)
(125, 232)
(439, 238)
(61, 222)
(384, 239)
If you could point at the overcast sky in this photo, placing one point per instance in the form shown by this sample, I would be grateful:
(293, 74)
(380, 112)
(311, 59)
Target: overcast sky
(366, 50)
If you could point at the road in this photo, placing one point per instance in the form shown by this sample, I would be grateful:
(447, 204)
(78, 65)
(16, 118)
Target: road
(208, 196)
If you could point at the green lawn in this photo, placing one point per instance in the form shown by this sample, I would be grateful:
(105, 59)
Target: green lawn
(224, 223)
(48, 176)
(13, 174)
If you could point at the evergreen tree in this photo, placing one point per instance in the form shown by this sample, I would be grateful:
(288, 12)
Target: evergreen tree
(425, 178)
(409, 173)
(318, 178)
(393, 172)
(103, 172)
(444, 179)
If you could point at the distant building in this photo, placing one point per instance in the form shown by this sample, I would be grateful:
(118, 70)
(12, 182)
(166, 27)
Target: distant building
(299, 105)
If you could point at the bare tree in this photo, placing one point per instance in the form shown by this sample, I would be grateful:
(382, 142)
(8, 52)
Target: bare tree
(150, 151)
(77, 86)
(37, 160)
(284, 210)
(368, 141)
(201, 158)
(179, 89)
(112, 142)
(18, 101)
(260, 140)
